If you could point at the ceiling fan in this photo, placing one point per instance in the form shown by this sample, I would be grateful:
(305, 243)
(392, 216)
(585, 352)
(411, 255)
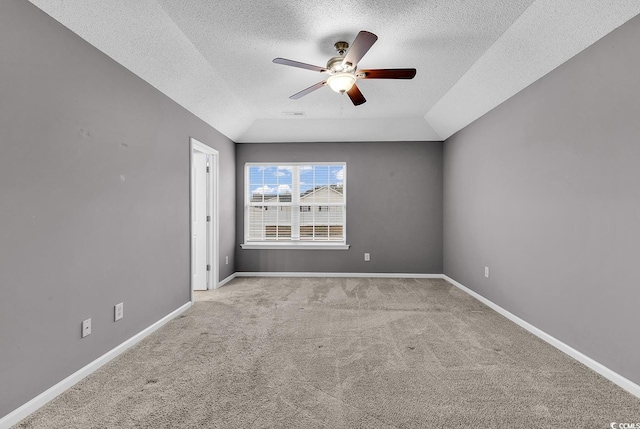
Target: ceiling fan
(343, 72)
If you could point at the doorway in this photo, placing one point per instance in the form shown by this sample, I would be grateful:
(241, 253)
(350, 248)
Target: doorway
(204, 217)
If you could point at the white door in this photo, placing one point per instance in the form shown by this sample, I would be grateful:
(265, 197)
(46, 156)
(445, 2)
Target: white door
(199, 223)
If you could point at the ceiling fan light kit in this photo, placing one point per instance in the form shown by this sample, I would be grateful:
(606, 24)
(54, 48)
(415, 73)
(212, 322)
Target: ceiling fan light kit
(341, 82)
(343, 69)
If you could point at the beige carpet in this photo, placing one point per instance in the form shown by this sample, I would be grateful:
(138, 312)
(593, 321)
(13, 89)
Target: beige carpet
(340, 353)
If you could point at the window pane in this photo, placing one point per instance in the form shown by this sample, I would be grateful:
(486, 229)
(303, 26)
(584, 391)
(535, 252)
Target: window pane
(321, 175)
(284, 193)
(255, 222)
(284, 231)
(284, 175)
(269, 191)
(284, 216)
(270, 174)
(306, 232)
(335, 231)
(336, 175)
(255, 175)
(306, 183)
(256, 193)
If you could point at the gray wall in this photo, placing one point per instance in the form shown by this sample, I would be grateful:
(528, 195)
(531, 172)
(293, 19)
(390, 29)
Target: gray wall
(545, 190)
(94, 202)
(394, 208)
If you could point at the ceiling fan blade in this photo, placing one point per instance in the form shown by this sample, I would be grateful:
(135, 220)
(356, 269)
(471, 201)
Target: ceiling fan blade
(363, 42)
(286, 62)
(308, 90)
(356, 96)
(388, 73)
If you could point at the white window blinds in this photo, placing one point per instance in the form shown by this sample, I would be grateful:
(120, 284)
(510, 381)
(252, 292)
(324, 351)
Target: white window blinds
(295, 202)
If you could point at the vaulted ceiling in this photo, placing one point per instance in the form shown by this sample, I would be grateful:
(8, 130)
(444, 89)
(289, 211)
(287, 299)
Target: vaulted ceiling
(215, 58)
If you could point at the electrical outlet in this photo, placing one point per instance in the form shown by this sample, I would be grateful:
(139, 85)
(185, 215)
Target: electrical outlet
(86, 327)
(367, 257)
(486, 272)
(118, 312)
(226, 260)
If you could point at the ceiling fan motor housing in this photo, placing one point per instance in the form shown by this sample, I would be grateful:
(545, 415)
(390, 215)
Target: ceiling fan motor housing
(341, 47)
(335, 65)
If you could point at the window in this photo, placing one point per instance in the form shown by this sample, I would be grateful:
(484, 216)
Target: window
(295, 205)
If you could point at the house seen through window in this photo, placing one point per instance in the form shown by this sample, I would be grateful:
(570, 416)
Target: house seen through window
(295, 203)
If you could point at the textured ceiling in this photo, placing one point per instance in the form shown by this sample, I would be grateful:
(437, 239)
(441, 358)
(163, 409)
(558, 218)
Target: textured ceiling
(215, 58)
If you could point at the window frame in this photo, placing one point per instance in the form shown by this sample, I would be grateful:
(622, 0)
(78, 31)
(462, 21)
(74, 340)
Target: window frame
(293, 243)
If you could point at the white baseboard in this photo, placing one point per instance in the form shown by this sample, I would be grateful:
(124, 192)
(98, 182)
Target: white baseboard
(350, 275)
(227, 280)
(607, 373)
(33, 405)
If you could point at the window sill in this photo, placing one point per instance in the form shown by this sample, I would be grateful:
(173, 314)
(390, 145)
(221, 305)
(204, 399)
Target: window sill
(295, 246)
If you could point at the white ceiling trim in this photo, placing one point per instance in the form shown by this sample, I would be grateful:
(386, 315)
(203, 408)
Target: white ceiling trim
(338, 130)
(546, 35)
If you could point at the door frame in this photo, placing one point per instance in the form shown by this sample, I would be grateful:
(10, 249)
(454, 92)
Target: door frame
(212, 210)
